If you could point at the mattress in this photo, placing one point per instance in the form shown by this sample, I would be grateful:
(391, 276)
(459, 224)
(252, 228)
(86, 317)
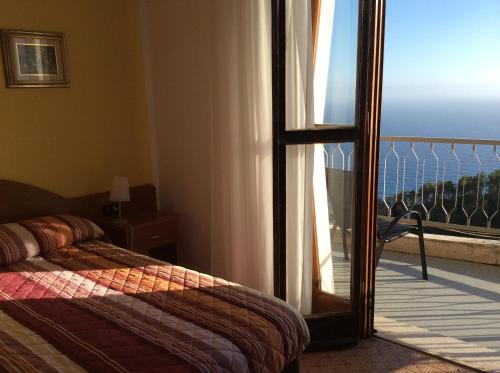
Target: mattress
(92, 306)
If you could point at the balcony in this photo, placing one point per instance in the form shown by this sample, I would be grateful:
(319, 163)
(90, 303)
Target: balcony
(455, 185)
(455, 314)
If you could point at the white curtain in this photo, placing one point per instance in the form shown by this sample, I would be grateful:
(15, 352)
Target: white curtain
(300, 158)
(242, 204)
(242, 220)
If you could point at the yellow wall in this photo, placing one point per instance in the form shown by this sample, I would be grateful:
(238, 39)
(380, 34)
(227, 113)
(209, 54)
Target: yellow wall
(73, 140)
(181, 90)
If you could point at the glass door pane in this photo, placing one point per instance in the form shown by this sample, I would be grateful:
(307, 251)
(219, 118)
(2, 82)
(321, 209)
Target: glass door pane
(332, 57)
(320, 215)
(335, 63)
(323, 88)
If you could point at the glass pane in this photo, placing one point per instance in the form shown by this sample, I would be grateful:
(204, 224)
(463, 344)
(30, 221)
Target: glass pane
(319, 227)
(335, 63)
(323, 81)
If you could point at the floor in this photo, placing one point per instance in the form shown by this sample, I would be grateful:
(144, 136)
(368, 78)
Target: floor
(455, 314)
(342, 272)
(375, 356)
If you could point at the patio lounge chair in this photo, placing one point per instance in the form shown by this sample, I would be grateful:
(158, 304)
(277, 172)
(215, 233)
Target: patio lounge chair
(339, 186)
(390, 230)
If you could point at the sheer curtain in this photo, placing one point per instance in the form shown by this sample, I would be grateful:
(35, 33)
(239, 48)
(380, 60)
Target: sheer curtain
(242, 219)
(300, 158)
(242, 204)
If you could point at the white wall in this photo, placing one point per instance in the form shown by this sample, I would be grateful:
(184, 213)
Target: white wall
(178, 62)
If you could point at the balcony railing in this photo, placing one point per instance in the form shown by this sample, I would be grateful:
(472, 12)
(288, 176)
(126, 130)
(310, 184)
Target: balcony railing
(454, 183)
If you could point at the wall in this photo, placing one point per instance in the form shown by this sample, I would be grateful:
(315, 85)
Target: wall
(468, 249)
(73, 140)
(178, 48)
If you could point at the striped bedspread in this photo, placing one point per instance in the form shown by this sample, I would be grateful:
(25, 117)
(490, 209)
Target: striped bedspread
(95, 307)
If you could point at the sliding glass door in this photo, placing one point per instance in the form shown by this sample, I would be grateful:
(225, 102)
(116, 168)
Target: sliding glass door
(326, 88)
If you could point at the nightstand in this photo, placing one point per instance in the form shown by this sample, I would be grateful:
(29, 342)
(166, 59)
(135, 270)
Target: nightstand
(149, 233)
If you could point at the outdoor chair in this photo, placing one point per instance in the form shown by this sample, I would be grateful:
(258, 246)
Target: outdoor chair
(340, 188)
(390, 230)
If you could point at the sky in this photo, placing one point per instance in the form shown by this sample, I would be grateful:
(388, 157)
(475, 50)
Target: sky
(448, 49)
(441, 68)
(341, 86)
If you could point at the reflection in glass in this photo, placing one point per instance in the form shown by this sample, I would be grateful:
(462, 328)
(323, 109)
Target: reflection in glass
(335, 64)
(319, 226)
(339, 189)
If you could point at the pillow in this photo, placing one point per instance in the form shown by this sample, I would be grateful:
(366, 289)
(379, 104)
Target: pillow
(54, 232)
(82, 229)
(16, 244)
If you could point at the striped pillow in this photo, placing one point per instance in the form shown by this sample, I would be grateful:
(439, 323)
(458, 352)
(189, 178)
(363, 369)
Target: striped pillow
(16, 244)
(54, 232)
(82, 229)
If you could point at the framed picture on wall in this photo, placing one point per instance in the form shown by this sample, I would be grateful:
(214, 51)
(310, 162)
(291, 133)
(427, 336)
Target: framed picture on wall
(34, 59)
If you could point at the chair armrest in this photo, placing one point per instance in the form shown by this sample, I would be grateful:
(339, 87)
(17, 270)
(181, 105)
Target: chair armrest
(391, 225)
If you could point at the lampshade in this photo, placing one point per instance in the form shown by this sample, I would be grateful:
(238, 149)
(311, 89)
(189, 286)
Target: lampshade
(120, 191)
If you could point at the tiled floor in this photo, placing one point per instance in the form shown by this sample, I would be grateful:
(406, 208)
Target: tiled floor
(375, 356)
(453, 349)
(456, 313)
(460, 300)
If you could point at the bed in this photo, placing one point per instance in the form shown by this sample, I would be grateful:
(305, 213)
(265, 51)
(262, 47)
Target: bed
(69, 301)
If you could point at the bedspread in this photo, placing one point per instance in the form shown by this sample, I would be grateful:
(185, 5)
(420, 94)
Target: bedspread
(95, 307)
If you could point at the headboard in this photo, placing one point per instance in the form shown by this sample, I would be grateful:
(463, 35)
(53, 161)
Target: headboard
(21, 201)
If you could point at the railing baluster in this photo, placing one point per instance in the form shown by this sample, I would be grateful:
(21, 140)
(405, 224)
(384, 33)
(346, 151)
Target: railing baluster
(427, 209)
(339, 150)
(349, 159)
(448, 172)
(497, 211)
(451, 155)
(410, 152)
(483, 193)
(390, 207)
(473, 157)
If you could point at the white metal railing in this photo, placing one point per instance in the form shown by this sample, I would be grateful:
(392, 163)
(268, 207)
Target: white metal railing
(339, 156)
(451, 181)
(454, 183)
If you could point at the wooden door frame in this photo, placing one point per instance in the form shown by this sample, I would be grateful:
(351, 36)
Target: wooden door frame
(371, 144)
(370, 59)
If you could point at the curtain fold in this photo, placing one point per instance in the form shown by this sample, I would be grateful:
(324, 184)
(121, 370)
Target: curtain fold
(241, 185)
(299, 158)
(242, 179)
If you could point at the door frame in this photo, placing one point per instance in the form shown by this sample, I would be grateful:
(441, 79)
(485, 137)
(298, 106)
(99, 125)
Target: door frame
(339, 328)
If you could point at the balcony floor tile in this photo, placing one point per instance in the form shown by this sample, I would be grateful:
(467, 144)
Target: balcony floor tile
(461, 300)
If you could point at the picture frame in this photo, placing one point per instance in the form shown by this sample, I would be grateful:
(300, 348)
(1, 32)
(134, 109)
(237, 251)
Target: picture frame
(34, 59)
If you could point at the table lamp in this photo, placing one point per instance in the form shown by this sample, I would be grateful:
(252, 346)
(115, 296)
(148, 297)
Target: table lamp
(120, 192)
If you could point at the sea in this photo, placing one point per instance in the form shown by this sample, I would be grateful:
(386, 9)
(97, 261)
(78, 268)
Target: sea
(443, 118)
(452, 118)
(479, 119)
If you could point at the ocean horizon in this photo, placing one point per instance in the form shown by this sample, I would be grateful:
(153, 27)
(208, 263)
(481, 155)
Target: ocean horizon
(473, 118)
(445, 118)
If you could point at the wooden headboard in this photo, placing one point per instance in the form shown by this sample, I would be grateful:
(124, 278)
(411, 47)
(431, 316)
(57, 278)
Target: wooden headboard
(21, 201)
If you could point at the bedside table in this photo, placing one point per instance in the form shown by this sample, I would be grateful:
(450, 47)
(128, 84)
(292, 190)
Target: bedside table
(148, 233)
